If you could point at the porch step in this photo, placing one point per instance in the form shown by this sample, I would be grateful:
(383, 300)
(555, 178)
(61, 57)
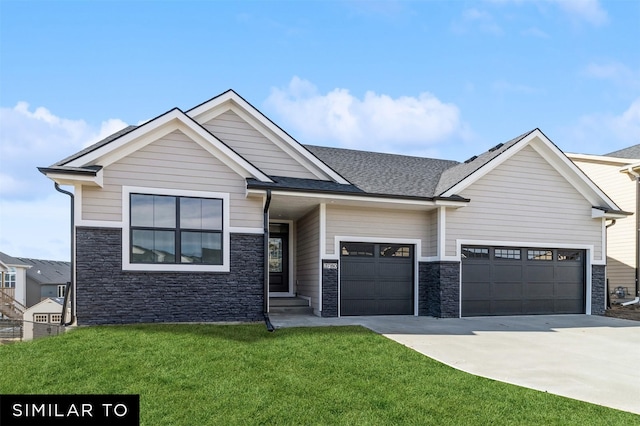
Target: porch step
(290, 305)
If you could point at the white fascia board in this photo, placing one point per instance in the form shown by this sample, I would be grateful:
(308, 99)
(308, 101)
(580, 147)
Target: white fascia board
(495, 162)
(600, 158)
(341, 197)
(597, 214)
(275, 134)
(73, 179)
(632, 169)
(572, 173)
(162, 126)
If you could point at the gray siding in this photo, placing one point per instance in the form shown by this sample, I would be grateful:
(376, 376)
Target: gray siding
(377, 223)
(255, 147)
(308, 258)
(524, 200)
(172, 162)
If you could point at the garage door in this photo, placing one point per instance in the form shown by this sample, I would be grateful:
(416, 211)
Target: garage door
(522, 281)
(376, 279)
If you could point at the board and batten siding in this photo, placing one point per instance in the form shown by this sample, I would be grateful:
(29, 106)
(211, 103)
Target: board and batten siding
(255, 147)
(524, 200)
(621, 252)
(308, 257)
(172, 162)
(373, 223)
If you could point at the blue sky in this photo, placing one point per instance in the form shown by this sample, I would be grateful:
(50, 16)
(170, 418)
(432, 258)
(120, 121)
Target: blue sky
(431, 78)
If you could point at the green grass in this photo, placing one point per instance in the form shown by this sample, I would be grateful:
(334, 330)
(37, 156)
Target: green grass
(241, 374)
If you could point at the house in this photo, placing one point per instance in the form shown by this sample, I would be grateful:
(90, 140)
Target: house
(45, 279)
(618, 174)
(211, 213)
(13, 286)
(43, 318)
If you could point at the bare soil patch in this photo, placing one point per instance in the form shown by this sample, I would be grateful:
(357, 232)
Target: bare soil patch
(631, 312)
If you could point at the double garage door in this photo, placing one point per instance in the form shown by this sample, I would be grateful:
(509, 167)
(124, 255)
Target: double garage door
(522, 281)
(376, 279)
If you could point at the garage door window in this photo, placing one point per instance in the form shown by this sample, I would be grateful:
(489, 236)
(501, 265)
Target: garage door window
(395, 250)
(358, 249)
(540, 254)
(475, 252)
(507, 254)
(570, 255)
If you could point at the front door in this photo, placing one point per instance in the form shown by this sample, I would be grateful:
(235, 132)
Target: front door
(279, 257)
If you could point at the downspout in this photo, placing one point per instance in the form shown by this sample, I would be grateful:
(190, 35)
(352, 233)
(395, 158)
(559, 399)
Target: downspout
(267, 203)
(67, 293)
(637, 299)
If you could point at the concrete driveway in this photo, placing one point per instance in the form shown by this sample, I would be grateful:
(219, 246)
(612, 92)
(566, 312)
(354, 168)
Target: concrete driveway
(589, 358)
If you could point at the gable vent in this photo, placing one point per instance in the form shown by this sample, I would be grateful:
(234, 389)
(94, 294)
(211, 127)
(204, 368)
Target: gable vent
(496, 147)
(471, 159)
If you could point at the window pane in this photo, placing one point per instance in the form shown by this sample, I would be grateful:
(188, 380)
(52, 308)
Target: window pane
(395, 251)
(153, 211)
(212, 214)
(569, 255)
(152, 246)
(191, 213)
(275, 254)
(358, 249)
(475, 252)
(507, 254)
(164, 212)
(201, 247)
(540, 254)
(199, 213)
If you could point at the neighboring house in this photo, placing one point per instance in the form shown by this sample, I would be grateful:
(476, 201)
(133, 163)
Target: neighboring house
(204, 215)
(45, 278)
(13, 286)
(43, 319)
(618, 174)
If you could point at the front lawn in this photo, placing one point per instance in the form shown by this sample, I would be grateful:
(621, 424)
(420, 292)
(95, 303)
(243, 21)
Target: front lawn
(241, 374)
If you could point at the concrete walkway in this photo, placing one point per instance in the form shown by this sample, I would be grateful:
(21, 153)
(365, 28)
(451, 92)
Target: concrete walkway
(589, 358)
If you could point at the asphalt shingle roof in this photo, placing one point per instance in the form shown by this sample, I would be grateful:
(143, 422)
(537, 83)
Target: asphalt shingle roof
(630, 152)
(95, 146)
(10, 260)
(459, 172)
(390, 174)
(48, 271)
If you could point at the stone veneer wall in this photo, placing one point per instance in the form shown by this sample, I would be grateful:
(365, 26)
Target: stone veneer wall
(598, 289)
(108, 295)
(329, 288)
(439, 289)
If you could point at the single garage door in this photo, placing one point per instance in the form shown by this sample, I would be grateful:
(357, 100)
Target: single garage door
(376, 279)
(522, 281)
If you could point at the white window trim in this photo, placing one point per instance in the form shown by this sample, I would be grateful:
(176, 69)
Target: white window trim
(126, 263)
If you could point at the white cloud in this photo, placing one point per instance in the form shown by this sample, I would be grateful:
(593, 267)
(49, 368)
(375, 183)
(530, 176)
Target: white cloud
(590, 11)
(34, 218)
(593, 131)
(36, 138)
(37, 229)
(614, 71)
(375, 122)
(474, 18)
(584, 10)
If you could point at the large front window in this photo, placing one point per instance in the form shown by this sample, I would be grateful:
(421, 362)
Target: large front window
(176, 230)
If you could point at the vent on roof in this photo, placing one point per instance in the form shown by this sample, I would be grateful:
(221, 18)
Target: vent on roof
(471, 159)
(496, 147)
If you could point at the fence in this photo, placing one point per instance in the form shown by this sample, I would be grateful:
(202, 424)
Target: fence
(12, 330)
